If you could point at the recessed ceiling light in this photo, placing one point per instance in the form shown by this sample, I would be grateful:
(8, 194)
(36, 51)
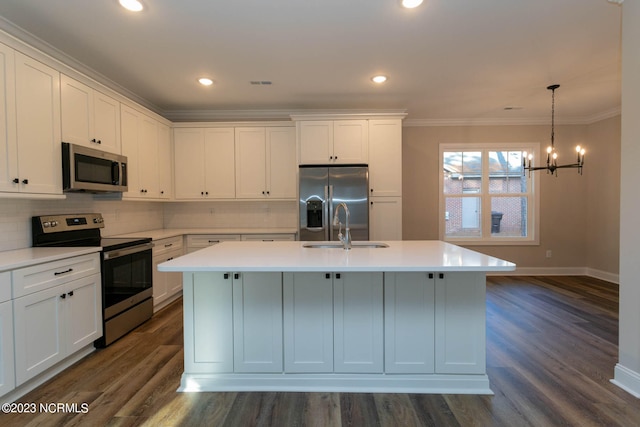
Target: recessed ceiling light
(410, 4)
(132, 5)
(379, 79)
(204, 81)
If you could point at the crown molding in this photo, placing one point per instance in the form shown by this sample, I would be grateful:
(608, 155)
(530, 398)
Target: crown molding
(525, 121)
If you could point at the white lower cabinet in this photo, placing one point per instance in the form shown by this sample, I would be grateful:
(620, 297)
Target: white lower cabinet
(358, 323)
(208, 323)
(308, 322)
(52, 324)
(235, 324)
(166, 284)
(199, 241)
(409, 322)
(385, 218)
(257, 322)
(460, 323)
(7, 369)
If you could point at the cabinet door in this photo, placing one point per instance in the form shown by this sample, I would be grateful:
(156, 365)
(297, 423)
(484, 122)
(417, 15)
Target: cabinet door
(84, 311)
(281, 163)
(409, 325)
(148, 158)
(308, 322)
(219, 154)
(106, 122)
(257, 322)
(350, 141)
(189, 163)
(39, 332)
(160, 283)
(76, 101)
(38, 126)
(385, 158)
(164, 162)
(358, 323)
(208, 323)
(7, 370)
(130, 131)
(250, 159)
(460, 323)
(385, 218)
(8, 144)
(316, 142)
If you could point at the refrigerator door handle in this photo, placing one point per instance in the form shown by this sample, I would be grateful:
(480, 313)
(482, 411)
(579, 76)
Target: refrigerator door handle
(329, 226)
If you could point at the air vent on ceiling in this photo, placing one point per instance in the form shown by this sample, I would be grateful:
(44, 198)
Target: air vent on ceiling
(260, 82)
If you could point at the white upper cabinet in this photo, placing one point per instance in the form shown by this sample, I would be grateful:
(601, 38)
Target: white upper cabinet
(204, 163)
(385, 158)
(89, 118)
(333, 142)
(37, 127)
(265, 163)
(8, 141)
(164, 162)
(142, 141)
(30, 157)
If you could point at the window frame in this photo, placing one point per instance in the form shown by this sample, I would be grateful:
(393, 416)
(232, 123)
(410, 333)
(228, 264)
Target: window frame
(532, 195)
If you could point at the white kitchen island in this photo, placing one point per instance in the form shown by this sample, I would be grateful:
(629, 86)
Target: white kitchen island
(279, 316)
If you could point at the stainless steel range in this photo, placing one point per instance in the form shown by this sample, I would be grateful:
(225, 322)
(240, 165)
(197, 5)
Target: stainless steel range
(126, 266)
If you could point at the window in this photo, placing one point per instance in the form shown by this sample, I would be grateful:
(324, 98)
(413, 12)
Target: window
(485, 197)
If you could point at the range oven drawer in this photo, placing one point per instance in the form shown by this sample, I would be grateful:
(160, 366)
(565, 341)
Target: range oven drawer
(44, 276)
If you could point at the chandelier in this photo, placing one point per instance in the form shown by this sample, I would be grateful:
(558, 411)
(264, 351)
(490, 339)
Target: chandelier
(552, 156)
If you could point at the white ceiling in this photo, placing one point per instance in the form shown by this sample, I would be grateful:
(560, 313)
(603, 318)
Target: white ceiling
(447, 61)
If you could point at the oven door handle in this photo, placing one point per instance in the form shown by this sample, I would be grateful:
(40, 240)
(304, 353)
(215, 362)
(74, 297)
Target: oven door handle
(127, 251)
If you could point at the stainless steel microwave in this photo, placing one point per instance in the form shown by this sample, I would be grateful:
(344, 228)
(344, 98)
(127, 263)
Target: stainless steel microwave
(93, 171)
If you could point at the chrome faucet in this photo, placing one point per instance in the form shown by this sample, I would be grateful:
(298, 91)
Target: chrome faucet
(344, 239)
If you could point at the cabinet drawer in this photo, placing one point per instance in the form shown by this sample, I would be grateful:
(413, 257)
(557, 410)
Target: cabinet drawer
(204, 240)
(5, 286)
(167, 245)
(268, 237)
(44, 276)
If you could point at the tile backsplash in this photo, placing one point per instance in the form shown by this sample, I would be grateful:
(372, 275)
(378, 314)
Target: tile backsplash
(123, 217)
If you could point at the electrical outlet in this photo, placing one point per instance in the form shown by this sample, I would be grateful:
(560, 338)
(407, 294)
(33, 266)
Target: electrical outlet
(549, 253)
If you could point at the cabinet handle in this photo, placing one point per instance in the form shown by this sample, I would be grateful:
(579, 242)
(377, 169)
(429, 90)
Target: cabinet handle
(169, 259)
(441, 275)
(337, 275)
(25, 181)
(371, 203)
(70, 293)
(168, 245)
(206, 193)
(63, 296)
(57, 273)
(236, 276)
(214, 241)
(267, 192)
(202, 193)
(372, 190)
(327, 276)
(94, 140)
(330, 157)
(16, 180)
(430, 275)
(99, 142)
(226, 276)
(263, 193)
(161, 191)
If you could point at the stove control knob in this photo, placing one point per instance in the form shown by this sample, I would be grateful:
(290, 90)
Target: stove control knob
(46, 224)
(98, 220)
(54, 223)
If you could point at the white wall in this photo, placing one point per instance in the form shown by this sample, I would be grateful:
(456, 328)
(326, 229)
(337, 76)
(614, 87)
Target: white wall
(627, 372)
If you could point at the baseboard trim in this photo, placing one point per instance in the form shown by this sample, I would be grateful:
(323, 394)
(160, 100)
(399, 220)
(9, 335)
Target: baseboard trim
(560, 271)
(627, 379)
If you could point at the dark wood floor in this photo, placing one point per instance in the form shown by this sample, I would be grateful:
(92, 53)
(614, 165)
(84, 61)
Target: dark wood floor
(551, 351)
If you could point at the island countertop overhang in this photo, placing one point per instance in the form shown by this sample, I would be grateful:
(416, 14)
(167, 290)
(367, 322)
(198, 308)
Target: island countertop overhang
(288, 256)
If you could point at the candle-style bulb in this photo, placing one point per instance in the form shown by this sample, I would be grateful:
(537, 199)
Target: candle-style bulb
(549, 150)
(530, 157)
(555, 156)
(578, 148)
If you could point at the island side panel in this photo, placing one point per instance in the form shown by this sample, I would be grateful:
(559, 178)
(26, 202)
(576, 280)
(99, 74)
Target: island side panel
(460, 308)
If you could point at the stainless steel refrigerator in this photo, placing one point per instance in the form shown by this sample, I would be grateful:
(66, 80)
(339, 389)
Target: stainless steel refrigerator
(322, 188)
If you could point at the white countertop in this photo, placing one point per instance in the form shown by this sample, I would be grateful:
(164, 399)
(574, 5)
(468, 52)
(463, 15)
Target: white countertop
(19, 258)
(406, 255)
(164, 233)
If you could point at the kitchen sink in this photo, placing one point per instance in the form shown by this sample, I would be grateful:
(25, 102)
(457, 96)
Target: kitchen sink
(339, 245)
